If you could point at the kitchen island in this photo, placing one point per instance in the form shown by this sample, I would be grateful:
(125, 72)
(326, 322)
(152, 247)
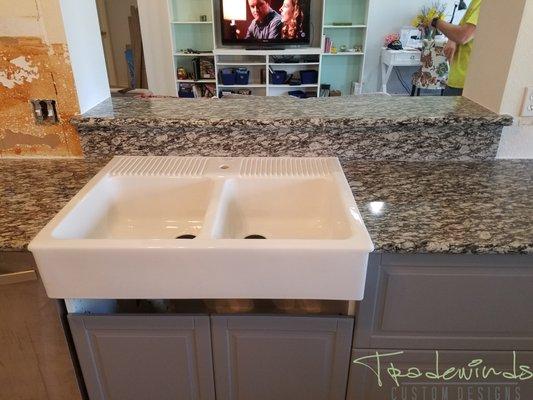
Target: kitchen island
(451, 272)
(407, 207)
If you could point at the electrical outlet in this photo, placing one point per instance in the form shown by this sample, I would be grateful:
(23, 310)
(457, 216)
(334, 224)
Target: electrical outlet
(527, 109)
(44, 111)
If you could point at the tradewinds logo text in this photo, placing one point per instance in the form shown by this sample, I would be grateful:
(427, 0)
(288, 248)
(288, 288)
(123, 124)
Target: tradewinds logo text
(475, 379)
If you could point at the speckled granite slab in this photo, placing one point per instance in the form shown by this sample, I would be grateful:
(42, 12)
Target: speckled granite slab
(408, 207)
(368, 128)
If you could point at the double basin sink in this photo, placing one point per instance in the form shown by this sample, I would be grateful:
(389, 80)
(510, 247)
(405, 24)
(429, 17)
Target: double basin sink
(192, 227)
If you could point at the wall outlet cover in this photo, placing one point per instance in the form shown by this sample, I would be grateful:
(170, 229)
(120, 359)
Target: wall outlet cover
(527, 108)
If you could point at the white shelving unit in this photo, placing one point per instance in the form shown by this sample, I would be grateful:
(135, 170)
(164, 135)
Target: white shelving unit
(344, 26)
(342, 68)
(188, 31)
(258, 63)
(339, 70)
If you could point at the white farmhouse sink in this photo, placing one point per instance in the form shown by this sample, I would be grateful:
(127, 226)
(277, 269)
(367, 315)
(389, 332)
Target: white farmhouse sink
(174, 227)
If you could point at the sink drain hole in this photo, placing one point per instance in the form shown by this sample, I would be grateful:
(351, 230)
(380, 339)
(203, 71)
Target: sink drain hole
(255, 237)
(186, 236)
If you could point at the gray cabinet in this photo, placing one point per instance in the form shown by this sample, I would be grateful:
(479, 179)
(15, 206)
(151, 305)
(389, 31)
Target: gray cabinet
(282, 358)
(144, 357)
(447, 302)
(466, 307)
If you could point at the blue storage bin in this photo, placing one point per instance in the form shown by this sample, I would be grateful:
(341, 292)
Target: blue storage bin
(242, 76)
(186, 95)
(278, 77)
(227, 76)
(309, 77)
(298, 93)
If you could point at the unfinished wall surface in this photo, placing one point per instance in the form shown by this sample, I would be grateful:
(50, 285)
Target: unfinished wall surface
(35, 64)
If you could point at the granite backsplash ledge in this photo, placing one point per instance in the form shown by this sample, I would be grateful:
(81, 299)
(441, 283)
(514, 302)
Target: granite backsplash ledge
(366, 128)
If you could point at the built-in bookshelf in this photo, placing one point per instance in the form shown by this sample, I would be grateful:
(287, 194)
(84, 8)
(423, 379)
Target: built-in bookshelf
(192, 28)
(344, 23)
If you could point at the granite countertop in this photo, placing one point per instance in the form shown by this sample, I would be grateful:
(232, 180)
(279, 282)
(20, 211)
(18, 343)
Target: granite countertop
(362, 110)
(408, 207)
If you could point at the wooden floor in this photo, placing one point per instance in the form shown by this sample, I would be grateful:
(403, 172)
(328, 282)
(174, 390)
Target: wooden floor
(34, 359)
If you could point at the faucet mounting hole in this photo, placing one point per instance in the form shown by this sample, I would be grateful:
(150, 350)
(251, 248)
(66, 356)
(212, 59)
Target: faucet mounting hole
(255, 237)
(186, 236)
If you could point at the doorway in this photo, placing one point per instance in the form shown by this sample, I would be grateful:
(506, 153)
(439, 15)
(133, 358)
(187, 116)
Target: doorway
(122, 43)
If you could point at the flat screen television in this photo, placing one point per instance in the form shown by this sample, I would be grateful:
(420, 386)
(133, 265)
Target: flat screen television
(264, 23)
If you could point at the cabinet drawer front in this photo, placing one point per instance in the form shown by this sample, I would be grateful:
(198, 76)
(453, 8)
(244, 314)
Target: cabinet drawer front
(407, 58)
(448, 302)
(144, 357)
(282, 358)
(365, 383)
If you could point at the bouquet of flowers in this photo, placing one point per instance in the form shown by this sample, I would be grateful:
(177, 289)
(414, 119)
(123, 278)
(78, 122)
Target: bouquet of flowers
(423, 20)
(391, 38)
(392, 41)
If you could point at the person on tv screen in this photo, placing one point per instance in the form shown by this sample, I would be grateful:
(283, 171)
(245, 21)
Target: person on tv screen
(292, 16)
(266, 24)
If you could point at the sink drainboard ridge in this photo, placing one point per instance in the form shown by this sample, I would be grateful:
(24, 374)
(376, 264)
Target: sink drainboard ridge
(200, 166)
(279, 167)
(159, 166)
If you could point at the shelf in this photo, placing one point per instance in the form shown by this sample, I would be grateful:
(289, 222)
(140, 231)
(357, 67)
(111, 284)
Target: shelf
(242, 63)
(193, 55)
(252, 85)
(293, 64)
(345, 53)
(198, 81)
(344, 26)
(192, 22)
(272, 85)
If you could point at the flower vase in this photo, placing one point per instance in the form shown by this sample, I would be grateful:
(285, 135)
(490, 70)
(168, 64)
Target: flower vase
(433, 72)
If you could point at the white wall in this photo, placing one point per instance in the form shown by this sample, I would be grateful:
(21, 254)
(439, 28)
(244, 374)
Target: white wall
(157, 46)
(501, 63)
(388, 16)
(493, 52)
(80, 20)
(521, 70)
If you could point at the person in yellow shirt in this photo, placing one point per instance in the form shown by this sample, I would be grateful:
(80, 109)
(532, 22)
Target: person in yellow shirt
(459, 46)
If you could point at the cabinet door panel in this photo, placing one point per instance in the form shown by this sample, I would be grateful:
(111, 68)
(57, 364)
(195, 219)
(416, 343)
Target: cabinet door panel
(144, 357)
(447, 302)
(282, 358)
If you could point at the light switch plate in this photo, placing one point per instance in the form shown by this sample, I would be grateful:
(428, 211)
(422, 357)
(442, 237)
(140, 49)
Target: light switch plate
(527, 108)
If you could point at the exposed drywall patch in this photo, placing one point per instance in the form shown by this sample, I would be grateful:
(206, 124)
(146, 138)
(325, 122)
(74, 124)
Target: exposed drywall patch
(47, 74)
(13, 139)
(19, 71)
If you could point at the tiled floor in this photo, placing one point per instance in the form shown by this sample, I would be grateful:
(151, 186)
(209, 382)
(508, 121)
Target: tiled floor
(34, 359)
(516, 142)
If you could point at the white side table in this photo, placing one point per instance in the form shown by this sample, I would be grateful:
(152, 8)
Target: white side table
(397, 58)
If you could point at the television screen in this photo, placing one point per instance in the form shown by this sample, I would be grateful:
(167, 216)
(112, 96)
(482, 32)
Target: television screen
(257, 22)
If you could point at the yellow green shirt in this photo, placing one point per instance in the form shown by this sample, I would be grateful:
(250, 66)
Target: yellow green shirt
(459, 65)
